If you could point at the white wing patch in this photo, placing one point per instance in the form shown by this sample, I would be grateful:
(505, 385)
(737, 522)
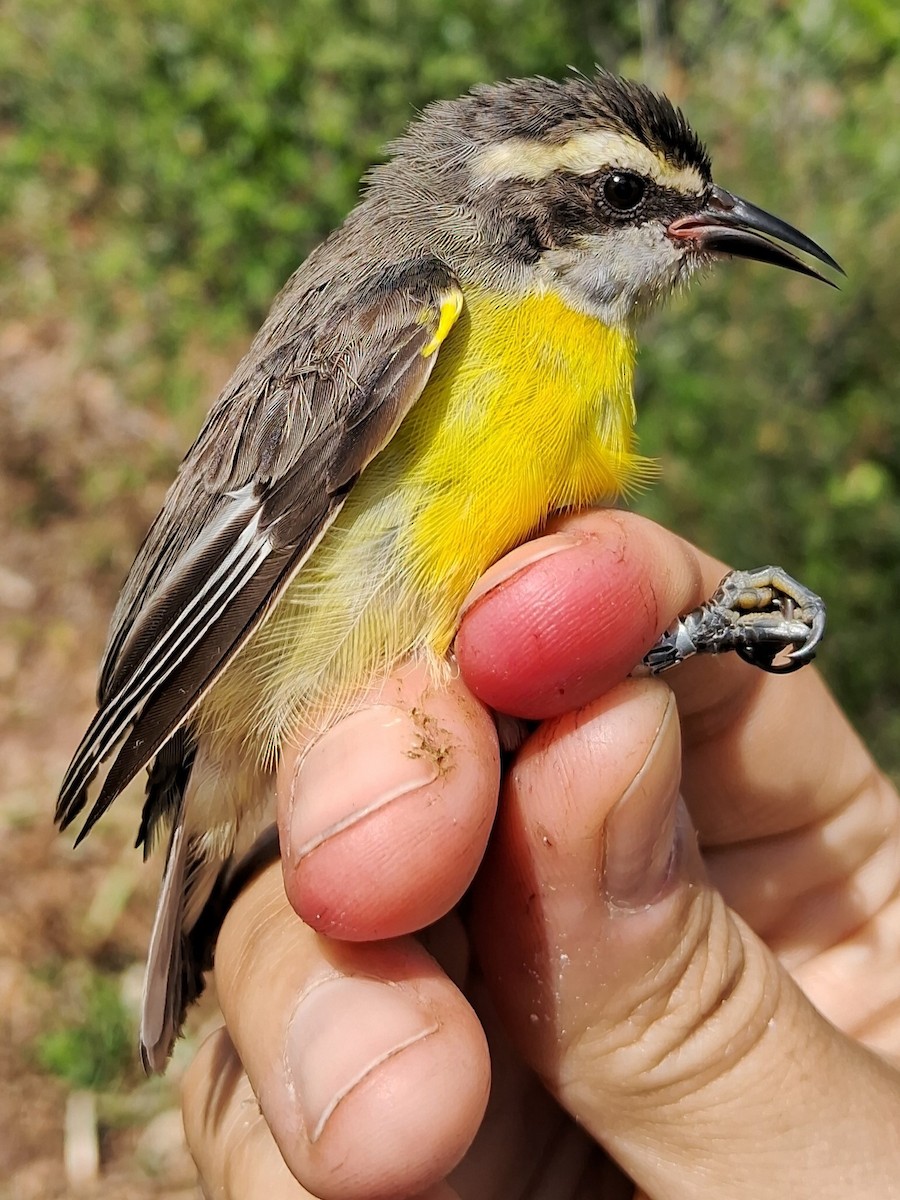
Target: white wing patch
(235, 570)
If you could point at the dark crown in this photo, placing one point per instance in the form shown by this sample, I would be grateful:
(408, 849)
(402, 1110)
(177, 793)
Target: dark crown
(550, 110)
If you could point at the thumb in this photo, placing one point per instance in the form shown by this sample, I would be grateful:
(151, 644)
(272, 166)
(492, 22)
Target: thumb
(652, 1012)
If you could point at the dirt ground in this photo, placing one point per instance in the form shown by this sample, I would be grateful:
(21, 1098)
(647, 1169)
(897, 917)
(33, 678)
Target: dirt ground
(68, 532)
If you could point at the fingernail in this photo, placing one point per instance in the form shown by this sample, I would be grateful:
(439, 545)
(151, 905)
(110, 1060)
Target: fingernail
(639, 835)
(342, 1030)
(367, 760)
(516, 561)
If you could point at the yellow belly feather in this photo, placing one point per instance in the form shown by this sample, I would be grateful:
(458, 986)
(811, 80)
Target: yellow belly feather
(529, 411)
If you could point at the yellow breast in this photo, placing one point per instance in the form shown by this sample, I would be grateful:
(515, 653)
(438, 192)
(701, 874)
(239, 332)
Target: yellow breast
(529, 410)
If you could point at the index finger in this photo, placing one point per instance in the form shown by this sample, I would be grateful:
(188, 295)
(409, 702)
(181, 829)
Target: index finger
(383, 817)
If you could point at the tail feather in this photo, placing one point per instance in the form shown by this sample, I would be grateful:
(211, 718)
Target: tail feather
(196, 892)
(177, 956)
(180, 948)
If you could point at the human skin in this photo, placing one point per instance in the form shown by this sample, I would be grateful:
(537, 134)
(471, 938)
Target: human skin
(682, 944)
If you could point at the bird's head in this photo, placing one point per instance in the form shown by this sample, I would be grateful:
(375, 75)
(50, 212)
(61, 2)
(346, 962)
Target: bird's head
(597, 189)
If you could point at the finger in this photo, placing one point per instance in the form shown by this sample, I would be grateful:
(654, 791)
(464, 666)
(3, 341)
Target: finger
(232, 1146)
(802, 835)
(526, 1146)
(230, 1141)
(765, 757)
(384, 817)
(653, 1012)
(562, 619)
(369, 1067)
(578, 614)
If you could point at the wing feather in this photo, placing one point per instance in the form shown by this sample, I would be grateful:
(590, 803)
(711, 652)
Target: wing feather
(322, 390)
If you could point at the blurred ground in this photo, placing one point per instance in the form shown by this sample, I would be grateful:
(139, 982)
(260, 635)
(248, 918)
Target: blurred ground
(68, 919)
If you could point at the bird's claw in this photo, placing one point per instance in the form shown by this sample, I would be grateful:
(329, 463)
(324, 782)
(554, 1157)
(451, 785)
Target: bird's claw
(758, 614)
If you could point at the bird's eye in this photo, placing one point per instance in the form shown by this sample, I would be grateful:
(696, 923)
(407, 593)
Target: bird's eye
(623, 191)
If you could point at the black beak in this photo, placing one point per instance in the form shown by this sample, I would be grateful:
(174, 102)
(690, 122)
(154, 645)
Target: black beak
(730, 225)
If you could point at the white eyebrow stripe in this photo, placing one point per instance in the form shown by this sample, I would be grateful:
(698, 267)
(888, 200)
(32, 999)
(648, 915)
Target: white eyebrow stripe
(521, 158)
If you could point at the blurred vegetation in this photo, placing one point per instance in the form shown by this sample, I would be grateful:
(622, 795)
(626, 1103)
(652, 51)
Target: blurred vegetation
(165, 164)
(91, 1045)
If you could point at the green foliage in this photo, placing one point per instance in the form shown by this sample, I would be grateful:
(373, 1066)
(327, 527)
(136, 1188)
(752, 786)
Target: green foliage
(219, 142)
(94, 1046)
(173, 160)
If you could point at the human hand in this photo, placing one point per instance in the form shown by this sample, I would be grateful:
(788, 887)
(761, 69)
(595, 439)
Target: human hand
(647, 986)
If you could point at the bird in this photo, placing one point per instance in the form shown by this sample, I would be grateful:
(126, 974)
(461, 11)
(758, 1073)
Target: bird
(449, 368)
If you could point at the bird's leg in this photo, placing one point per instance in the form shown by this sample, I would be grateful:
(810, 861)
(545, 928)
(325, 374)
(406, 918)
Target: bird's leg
(757, 614)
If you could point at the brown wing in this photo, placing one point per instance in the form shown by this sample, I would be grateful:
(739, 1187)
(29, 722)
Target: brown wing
(321, 392)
